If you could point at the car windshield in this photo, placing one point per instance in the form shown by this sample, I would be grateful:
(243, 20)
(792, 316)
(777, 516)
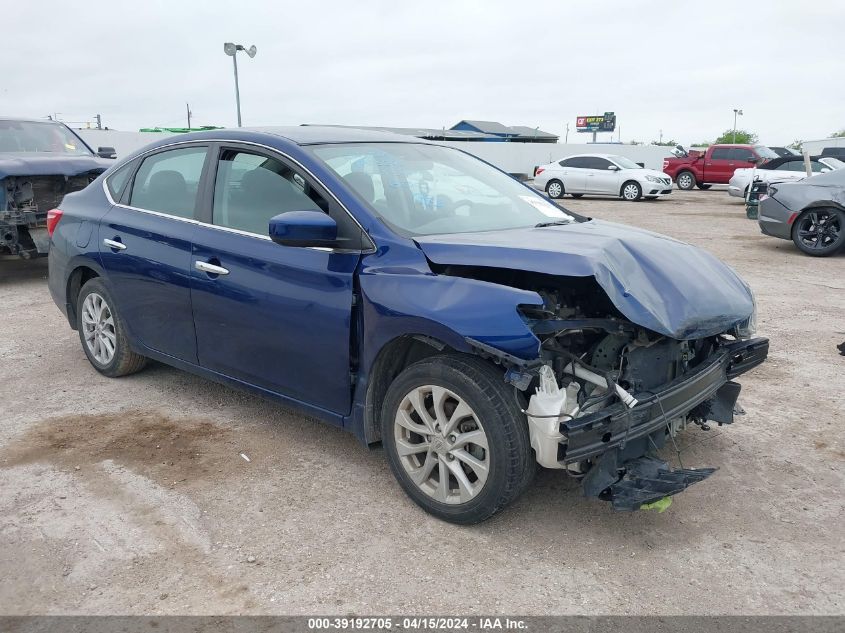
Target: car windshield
(624, 163)
(765, 152)
(38, 136)
(420, 189)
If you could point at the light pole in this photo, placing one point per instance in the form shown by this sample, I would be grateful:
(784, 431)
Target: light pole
(736, 112)
(232, 50)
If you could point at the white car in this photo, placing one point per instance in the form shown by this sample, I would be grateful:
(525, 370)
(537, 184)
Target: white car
(601, 174)
(785, 169)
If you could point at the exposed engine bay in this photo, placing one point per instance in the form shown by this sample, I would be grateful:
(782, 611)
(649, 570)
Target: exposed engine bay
(605, 395)
(24, 203)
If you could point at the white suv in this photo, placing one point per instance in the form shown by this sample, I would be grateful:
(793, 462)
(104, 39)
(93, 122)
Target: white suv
(601, 174)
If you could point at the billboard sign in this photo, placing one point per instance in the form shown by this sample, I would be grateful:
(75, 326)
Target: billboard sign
(596, 123)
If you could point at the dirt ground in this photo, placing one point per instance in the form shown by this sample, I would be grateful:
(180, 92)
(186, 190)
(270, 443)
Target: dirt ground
(132, 495)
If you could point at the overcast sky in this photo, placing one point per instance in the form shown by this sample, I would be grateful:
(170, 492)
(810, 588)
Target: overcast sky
(659, 64)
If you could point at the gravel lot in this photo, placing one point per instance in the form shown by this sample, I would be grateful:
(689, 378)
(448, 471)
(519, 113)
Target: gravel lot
(131, 495)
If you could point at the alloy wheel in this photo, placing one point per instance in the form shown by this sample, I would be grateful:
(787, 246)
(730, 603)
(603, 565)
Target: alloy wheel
(98, 328)
(685, 181)
(441, 444)
(818, 230)
(555, 190)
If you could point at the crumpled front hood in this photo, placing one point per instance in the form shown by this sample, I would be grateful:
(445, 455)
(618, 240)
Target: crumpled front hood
(43, 164)
(659, 283)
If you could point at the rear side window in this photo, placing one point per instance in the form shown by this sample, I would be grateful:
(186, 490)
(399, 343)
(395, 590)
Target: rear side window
(721, 153)
(579, 162)
(117, 181)
(742, 154)
(168, 182)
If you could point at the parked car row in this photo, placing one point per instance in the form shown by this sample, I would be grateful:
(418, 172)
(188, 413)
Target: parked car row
(789, 168)
(716, 165)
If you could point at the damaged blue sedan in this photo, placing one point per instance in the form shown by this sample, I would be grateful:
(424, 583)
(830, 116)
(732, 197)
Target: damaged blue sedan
(417, 297)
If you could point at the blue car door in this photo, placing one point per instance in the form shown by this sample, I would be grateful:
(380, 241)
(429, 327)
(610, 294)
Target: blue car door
(273, 316)
(145, 248)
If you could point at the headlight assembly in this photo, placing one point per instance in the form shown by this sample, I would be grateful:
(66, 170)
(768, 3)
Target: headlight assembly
(748, 328)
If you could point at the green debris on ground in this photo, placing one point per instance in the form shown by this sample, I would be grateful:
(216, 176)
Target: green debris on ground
(660, 505)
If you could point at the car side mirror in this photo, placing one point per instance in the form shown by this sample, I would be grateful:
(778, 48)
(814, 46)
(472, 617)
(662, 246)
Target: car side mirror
(106, 152)
(303, 228)
(824, 170)
(613, 167)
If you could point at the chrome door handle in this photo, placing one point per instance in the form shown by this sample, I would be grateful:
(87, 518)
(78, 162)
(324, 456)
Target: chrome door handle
(120, 246)
(211, 269)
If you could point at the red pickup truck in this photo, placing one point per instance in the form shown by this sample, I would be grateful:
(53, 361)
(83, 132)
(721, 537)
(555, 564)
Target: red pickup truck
(714, 166)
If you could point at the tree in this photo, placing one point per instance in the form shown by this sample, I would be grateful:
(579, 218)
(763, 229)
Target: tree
(839, 134)
(669, 143)
(743, 137)
(796, 144)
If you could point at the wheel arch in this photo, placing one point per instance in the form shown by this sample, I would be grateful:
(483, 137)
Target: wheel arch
(79, 275)
(391, 360)
(629, 181)
(691, 172)
(814, 206)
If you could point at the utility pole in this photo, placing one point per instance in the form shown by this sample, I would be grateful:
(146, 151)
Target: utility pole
(99, 121)
(661, 137)
(566, 140)
(232, 50)
(736, 112)
(188, 108)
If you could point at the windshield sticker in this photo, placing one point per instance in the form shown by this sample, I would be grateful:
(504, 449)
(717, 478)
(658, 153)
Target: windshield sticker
(546, 208)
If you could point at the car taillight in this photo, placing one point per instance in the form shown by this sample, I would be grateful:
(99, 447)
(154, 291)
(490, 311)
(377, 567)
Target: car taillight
(53, 217)
(538, 171)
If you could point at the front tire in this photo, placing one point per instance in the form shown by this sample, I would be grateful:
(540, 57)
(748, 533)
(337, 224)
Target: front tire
(685, 180)
(555, 189)
(703, 187)
(102, 332)
(820, 232)
(631, 191)
(455, 439)
(577, 195)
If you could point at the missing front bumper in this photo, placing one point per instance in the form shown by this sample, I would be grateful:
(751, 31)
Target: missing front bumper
(590, 436)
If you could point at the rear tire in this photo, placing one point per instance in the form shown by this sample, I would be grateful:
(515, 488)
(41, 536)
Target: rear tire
(555, 189)
(102, 332)
(631, 191)
(820, 232)
(476, 436)
(685, 180)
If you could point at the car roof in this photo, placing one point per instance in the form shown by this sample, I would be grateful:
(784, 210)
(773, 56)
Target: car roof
(320, 134)
(22, 119)
(593, 155)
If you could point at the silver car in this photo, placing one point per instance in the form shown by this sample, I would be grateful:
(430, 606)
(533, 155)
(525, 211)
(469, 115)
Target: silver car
(810, 212)
(601, 174)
